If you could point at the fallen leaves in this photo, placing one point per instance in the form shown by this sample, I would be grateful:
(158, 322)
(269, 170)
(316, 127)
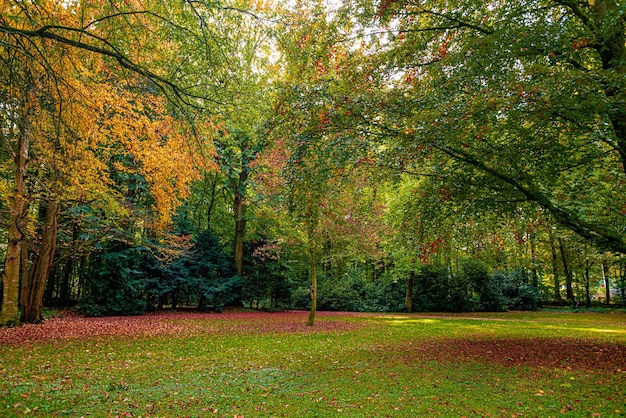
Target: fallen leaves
(169, 323)
(563, 353)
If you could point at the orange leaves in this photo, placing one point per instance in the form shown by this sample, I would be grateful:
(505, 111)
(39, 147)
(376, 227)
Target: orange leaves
(71, 327)
(443, 49)
(159, 144)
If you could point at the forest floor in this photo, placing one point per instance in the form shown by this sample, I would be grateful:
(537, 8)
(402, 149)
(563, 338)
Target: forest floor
(251, 364)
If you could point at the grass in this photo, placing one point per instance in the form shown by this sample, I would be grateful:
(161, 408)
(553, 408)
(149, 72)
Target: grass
(510, 364)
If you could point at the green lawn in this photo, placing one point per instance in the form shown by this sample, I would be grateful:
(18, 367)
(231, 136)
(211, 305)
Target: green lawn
(266, 365)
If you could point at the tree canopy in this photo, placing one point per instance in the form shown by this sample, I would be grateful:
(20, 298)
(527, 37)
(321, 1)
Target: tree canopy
(383, 151)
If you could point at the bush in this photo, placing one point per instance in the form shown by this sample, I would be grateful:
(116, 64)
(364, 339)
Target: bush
(435, 289)
(518, 293)
(114, 282)
(431, 290)
(265, 283)
(353, 293)
(483, 285)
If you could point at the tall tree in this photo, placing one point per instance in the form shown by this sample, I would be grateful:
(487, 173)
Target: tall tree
(56, 58)
(526, 97)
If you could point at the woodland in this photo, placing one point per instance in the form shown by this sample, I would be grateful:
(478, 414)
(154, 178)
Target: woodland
(356, 155)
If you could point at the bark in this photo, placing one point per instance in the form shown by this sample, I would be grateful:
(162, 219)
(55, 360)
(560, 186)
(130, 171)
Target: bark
(65, 286)
(18, 218)
(239, 212)
(240, 232)
(607, 285)
(567, 272)
(622, 277)
(32, 293)
(313, 272)
(64, 292)
(209, 211)
(587, 284)
(555, 270)
(533, 258)
(310, 225)
(409, 292)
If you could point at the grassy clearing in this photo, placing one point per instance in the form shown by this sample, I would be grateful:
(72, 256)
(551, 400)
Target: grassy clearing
(512, 364)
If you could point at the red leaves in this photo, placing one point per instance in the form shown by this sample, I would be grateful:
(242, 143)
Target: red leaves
(383, 7)
(429, 248)
(563, 353)
(443, 49)
(168, 323)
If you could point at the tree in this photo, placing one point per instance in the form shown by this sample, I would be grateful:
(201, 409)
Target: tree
(525, 97)
(55, 61)
(241, 125)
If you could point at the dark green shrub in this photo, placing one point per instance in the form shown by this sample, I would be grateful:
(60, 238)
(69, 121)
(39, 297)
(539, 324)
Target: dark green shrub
(265, 283)
(113, 283)
(515, 288)
(211, 280)
(487, 296)
(431, 289)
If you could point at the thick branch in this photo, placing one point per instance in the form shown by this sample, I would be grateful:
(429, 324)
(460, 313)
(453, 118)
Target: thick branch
(602, 237)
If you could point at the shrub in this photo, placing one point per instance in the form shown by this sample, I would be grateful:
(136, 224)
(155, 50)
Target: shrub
(114, 282)
(515, 288)
(265, 283)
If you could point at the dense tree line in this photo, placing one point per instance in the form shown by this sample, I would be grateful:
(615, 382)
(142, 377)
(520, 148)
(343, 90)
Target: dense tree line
(369, 155)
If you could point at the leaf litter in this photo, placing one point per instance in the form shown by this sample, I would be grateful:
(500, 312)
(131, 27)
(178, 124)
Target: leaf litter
(71, 326)
(564, 353)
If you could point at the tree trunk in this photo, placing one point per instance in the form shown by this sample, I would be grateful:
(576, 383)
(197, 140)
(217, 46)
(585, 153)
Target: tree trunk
(622, 285)
(607, 285)
(18, 218)
(408, 300)
(567, 272)
(533, 261)
(239, 209)
(209, 211)
(310, 226)
(52, 287)
(239, 212)
(65, 287)
(555, 270)
(313, 272)
(32, 293)
(587, 284)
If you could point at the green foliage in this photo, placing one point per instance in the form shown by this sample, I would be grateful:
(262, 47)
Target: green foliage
(200, 276)
(517, 291)
(212, 270)
(114, 280)
(355, 293)
(432, 290)
(125, 279)
(435, 289)
(266, 282)
(475, 273)
(507, 103)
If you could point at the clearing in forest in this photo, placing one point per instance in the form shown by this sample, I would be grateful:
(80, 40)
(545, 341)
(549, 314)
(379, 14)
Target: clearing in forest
(271, 364)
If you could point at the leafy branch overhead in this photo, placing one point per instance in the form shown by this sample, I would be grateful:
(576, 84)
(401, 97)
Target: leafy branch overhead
(142, 37)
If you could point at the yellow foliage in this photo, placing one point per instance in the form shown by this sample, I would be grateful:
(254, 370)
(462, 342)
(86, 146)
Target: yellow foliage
(93, 112)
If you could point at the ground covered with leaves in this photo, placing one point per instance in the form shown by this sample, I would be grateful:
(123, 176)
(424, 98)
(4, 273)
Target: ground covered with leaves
(264, 364)
(70, 326)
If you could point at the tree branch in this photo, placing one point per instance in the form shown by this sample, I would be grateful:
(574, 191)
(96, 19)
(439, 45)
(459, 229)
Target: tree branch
(603, 238)
(108, 50)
